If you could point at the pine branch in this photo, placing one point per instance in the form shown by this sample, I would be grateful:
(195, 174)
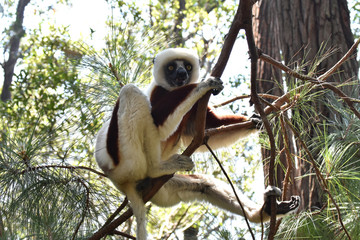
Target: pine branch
(322, 180)
(64, 167)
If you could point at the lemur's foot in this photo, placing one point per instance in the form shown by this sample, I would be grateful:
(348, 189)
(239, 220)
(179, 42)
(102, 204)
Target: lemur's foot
(282, 207)
(183, 163)
(287, 207)
(256, 120)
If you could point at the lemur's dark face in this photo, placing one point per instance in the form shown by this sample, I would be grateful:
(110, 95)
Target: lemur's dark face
(178, 73)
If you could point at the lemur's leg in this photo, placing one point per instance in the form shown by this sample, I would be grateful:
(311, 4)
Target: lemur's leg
(204, 188)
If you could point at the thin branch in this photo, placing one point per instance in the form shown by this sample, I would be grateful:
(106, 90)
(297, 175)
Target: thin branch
(288, 161)
(232, 187)
(230, 101)
(61, 166)
(286, 69)
(343, 96)
(116, 212)
(263, 95)
(288, 158)
(328, 73)
(177, 223)
(255, 99)
(116, 75)
(111, 226)
(123, 234)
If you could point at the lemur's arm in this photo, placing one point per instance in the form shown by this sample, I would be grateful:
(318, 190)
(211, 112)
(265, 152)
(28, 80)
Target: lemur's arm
(170, 107)
(222, 138)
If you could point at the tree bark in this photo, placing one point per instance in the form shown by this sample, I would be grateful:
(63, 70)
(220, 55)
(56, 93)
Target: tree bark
(294, 31)
(270, 78)
(9, 65)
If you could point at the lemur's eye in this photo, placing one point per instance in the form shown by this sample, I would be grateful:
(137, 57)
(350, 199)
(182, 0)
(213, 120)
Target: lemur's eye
(188, 67)
(170, 67)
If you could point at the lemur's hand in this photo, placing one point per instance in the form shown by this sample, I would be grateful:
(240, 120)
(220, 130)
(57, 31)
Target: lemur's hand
(216, 84)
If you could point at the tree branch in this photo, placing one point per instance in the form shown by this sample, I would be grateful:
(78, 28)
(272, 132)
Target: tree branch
(255, 99)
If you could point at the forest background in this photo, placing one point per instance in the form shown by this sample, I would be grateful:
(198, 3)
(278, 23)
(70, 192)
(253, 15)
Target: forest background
(65, 79)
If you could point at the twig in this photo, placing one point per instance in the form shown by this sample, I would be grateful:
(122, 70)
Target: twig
(116, 75)
(116, 212)
(319, 81)
(263, 95)
(230, 101)
(111, 226)
(123, 234)
(232, 187)
(255, 98)
(342, 96)
(62, 166)
(286, 69)
(289, 164)
(177, 223)
(85, 210)
(328, 73)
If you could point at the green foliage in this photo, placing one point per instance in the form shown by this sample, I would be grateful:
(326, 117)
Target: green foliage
(355, 7)
(45, 133)
(334, 146)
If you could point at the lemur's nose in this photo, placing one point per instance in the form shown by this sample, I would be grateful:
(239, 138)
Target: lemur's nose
(181, 73)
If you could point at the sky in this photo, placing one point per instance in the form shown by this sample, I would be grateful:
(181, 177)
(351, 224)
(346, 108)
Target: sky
(79, 19)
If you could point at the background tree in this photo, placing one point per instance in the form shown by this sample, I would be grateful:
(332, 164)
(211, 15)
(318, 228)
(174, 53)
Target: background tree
(16, 33)
(310, 41)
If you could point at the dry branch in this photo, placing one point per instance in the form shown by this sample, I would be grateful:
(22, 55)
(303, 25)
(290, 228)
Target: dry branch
(255, 99)
(347, 55)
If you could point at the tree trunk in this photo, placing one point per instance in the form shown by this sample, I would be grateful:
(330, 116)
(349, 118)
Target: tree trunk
(270, 79)
(9, 65)
(297, 30)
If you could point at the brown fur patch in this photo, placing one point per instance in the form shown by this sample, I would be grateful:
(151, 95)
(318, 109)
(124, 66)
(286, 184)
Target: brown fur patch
(214, 121)
(112, 140)
(164, 102)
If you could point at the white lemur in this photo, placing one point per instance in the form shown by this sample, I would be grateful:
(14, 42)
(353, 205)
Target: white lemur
(142, 140)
